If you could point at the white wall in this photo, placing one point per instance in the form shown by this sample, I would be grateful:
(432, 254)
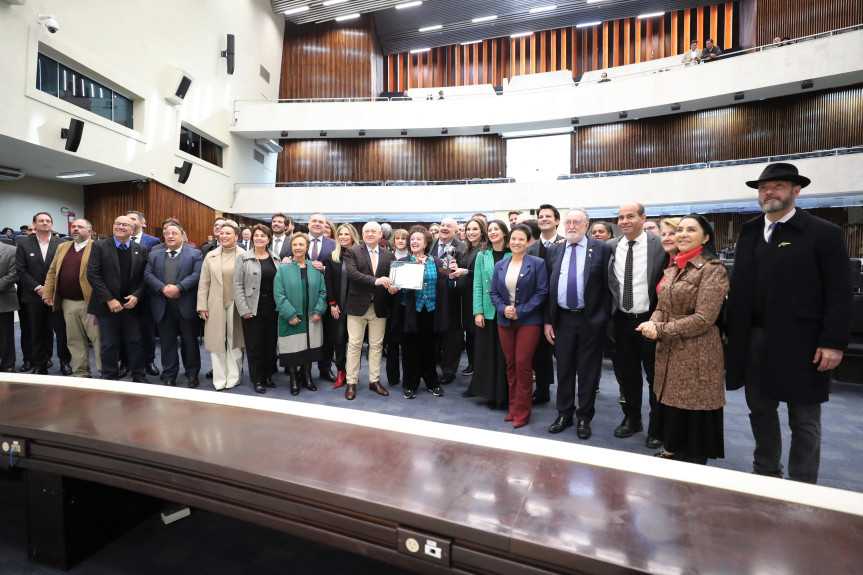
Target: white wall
(23, 198)
(132, 45)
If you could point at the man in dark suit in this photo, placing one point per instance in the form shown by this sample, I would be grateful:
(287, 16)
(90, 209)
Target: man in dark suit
(369, 286)
(146, 323)
(788, 321)
(138, 235)
(116, 274)
(320, 249)
(578, 311)
(217, 225)
(637, 264)
(282, 227)
(33, 260)
(450, 343)
(8, 305)
(548, 220)
(172, 275)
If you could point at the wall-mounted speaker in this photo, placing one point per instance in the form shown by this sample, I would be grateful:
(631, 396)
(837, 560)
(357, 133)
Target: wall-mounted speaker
(72, 135)
(229, 54)
(177, 84)
(183, 171)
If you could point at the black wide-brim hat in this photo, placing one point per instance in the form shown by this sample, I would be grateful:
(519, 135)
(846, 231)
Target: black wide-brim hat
(780, 172)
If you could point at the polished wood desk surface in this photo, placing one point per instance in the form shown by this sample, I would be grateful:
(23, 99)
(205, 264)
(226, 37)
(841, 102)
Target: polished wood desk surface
(555, 515)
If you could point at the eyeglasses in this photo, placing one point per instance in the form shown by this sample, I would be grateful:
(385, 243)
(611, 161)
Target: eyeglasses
(573, 223)
(122, 225)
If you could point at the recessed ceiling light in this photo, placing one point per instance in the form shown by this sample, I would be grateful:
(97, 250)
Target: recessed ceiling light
(594, 1)
(484, 19)
(650, 15)
(419, 50)
(296, 10)
(588, 24)
(408, 4)
(542, 9)
(334, 2)
(69, 175)
(471, 42)
(520, 34)
(347, 17)
(430, 28)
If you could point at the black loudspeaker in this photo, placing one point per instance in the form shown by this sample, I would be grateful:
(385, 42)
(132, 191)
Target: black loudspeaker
(183, 171)
(72, 135)
(229, 54)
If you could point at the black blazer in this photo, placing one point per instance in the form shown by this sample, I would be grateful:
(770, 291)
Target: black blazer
(103, 273)
(32, 269)
(808, 305)
(361, 281)
(657, 261)
(597, 296)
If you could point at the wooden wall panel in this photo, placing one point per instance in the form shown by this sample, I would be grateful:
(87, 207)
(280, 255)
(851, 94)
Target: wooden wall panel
(795, 18)
(792, 124)
(104, 202)
(392, 159)
(332, 60)
(613, 43)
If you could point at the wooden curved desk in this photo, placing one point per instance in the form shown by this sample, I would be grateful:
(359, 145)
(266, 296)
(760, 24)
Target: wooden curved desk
(380, 492)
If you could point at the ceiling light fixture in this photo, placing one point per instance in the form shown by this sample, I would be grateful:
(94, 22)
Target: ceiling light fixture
(408, 5)
(334, 2)
(650, 15)
(70, 175)
(588, 24)
(520, 34)
(471, 42)
(296, 10)
(484, 19)
(430, 28)
(541, 9)
(347, 17)
(419, 50)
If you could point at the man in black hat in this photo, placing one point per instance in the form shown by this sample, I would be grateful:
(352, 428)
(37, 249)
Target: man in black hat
(788, 321)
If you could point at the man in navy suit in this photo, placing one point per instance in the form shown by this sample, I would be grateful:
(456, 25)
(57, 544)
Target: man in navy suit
(116, 274)
(283, 227)
(320, 249)
(147, 324)
(577, 312)
(172, 275)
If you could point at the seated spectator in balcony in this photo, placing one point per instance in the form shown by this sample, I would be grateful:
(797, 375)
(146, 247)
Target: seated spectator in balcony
(604, 78)
(711, 51)
(693, 55)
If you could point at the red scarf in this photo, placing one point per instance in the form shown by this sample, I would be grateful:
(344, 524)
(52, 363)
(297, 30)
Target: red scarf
(680, 261)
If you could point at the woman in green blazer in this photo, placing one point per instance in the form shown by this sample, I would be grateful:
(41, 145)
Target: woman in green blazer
(301, 299)
(489, 375)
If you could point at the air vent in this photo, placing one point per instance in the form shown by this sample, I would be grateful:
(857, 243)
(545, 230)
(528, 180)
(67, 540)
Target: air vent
(265, 74)
(10, 174)
(259, 157)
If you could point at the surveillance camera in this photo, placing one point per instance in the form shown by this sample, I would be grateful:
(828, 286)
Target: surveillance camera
(49, 22)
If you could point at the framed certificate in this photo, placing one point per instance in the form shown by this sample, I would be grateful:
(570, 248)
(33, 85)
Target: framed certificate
(407, 275)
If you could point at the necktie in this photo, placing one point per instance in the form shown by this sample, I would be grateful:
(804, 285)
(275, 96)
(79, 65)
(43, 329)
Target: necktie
(548, 243)
(315, 249)
(135, 238)
(278, 243)
(627, 279)
(572, 280)
(442, 251)
(122, 247)
(374, 257)
(173, 254)
(770, 229)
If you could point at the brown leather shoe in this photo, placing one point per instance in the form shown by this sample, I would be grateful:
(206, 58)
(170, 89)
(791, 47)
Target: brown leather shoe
(351, 391)
(378, 388)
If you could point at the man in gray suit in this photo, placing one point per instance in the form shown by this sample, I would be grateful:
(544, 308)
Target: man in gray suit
(637, 264)
(8, 305)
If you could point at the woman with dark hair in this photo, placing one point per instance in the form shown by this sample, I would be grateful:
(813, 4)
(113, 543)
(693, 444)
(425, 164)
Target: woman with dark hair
(476, 240)
(337, 292)
(519, 288)
(421, 315)
(689, 382)
(301, 298)
(490, 381)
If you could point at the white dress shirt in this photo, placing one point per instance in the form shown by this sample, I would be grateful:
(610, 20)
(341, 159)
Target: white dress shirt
(782, 220)
(640, 296)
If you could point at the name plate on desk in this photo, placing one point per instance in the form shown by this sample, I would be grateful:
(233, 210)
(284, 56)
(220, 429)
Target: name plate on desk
(407, 275)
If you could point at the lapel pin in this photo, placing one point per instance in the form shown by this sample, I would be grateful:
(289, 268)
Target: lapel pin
(783, 244)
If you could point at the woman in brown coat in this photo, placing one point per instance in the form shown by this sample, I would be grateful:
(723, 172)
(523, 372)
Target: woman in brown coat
(689, 382)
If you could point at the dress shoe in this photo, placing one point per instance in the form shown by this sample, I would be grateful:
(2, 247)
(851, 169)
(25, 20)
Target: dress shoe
(663, 455)
(328, 375)
(268, 381)
(394, 382)
(350, 391)
(26, 366)
(340, 379)
(140, 380)
(170, 382)
(628, 427)
(65, 368)
(517, 424)
(122, 370)
(467, 393)
(41, 369)
(259, 388)
(652, 443)
(8, 370)
(583, 430)
(468, 371)
(308, 383)
(410, 393)
(152, 369)
(50, 364)
(540, 399)
(622, 400)
(436, 391)
(508, 417)
(209, 374)
(194, 382)
(378, 388)
(560, 424)
(447, 378)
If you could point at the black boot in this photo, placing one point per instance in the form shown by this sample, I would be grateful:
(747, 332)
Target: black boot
(307, 381)
(292, 374)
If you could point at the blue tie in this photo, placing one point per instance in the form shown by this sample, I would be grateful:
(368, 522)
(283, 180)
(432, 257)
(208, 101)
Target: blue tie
(770, 229)
(122, 247)
(572, 280)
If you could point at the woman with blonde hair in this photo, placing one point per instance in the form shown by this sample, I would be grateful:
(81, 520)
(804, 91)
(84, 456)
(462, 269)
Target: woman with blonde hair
(223, 331)
(335, 321)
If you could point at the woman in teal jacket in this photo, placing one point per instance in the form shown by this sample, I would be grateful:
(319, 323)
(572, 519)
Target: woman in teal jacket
(301, 299)
(489, 376)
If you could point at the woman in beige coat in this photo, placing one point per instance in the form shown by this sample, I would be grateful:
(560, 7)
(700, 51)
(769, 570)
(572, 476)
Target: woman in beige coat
(223, 331)
(689, 381)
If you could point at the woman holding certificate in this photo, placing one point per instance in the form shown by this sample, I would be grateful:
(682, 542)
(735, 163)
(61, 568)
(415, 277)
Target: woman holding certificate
(424, 312)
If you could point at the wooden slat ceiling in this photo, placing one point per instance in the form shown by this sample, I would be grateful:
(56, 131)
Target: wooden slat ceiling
(398, 30)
